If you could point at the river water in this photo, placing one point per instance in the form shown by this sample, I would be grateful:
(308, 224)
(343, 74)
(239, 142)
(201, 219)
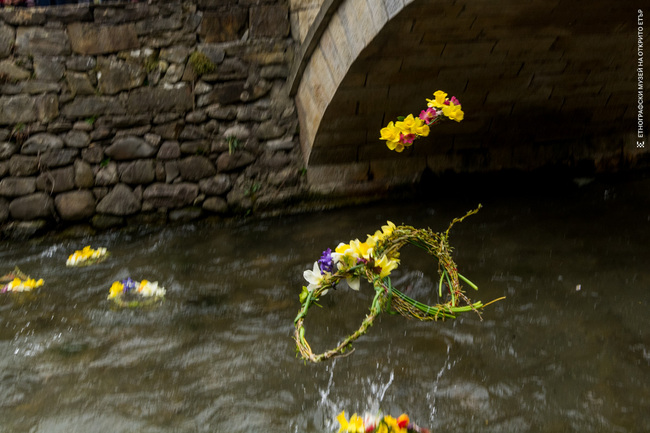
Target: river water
(567, 350)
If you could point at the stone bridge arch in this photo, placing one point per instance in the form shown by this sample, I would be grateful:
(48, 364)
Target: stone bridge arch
(543, 82)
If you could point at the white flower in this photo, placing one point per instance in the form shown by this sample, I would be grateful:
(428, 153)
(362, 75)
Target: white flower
(313, 277)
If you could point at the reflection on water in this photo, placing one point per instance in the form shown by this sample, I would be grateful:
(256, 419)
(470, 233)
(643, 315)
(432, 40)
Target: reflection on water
(568, 350)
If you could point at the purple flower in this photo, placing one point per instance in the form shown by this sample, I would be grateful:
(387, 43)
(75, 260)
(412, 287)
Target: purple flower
(129, 285)
(325, 263)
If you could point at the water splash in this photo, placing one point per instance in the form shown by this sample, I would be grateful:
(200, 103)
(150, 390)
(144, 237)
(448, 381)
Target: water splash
(431, 396)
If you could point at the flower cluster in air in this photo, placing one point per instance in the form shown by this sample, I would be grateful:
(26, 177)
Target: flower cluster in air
(144, 289)
(377, 424)
(20, 285)
(351, 259)
(401, 134)
(87, 256)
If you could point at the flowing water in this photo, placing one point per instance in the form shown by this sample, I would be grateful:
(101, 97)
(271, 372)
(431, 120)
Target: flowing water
(567, 350)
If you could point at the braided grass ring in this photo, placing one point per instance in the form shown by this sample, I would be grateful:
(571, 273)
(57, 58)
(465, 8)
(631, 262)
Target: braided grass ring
(388, 298)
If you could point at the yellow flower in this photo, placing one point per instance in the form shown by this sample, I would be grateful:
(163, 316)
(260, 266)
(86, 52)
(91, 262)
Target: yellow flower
(405, 125)
(439, 100)
(355, 425)
(387, 230)
(390, 133)
(386, 265)
(115, 290)
(361, 249)
(420, 128)
(395, 145)
(453, 112)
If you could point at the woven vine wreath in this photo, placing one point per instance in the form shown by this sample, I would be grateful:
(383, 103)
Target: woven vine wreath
(373, 261)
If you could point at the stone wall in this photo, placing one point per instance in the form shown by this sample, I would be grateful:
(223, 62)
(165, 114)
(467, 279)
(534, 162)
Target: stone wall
(108, 115)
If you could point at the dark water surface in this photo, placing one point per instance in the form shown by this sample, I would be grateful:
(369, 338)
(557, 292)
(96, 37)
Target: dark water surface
(568, 350)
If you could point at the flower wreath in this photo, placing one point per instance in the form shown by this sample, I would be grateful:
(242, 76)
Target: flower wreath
(374, 260)
(132, 294)
(17, 281)
(377, 424)
(87, 256)
(401, 134)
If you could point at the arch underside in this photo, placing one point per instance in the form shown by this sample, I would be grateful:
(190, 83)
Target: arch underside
(540, 82)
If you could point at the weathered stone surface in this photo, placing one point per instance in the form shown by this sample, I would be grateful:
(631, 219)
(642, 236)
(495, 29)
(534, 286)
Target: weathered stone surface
(48, 68)
(218, 184)
(130, 147)
(39, 143)
(17, 109)
(58, 157)
(171, 171)
(75, 205)
(76, 138)
(23, 165)
(107, 175)
(88, 106)
(269, 130)
(83, 174)
(158, 100)
(58, 180)
(93, 154)
(117, 75)
(137, 172)
(269, 21)
(197, 147)
(223, 26)
(240, 132)
(222, 94)
(79, 83)
(175, 54)
(230, 162)
(7, 34)
(120, 201)
(217, 111)
(31, 207)
(161, 195)
(169, 150)
(7, 149)
(17, 186)
(194, 168)
(81, 63)
(47, 107)
(91, 38)
(12, 72)
(215, 205)
(42, 41)
(4, 210)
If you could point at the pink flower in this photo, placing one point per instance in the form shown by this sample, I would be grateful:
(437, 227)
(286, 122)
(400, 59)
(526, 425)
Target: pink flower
(407, 139)
(428, 115)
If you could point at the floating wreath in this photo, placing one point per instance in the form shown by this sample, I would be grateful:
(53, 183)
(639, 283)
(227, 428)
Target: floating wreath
(17, 281)
(374, 260)
(87, 256)
(133, 294)
(401, 134)
(378, 424)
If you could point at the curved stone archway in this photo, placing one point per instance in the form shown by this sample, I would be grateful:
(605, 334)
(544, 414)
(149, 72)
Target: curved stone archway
(542, 83)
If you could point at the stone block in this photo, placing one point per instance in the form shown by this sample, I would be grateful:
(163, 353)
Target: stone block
(39, 143)
(32, 207)
(57, 180)
(58, 157)
(161, 195)
(75, 205)
(46, 41)
(337, 174)
(116, 75)
(23, 165)
(269, 21)
(139, 172)
(160, 99)
(194, 168)
(17, 186)
(130, 147)
(223, 26)
(93, 38)
(120, 201)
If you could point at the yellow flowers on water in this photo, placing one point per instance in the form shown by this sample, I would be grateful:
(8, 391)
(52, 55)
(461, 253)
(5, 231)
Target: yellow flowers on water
(18, 285)
(376, 424)
(401, 134)
(87, 256)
